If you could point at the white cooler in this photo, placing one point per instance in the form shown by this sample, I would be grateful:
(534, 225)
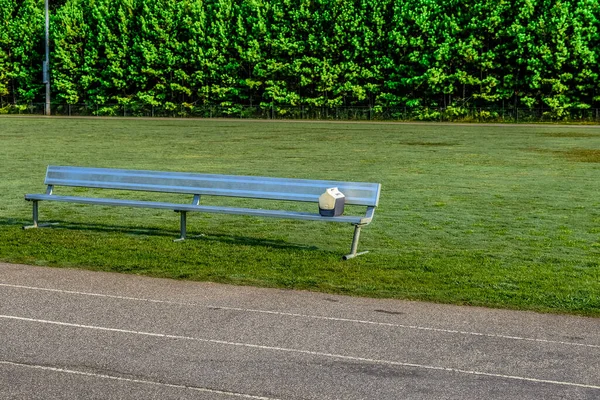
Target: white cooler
(331, 203)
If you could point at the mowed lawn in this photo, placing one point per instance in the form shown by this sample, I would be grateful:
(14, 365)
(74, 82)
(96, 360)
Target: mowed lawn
(500, 216)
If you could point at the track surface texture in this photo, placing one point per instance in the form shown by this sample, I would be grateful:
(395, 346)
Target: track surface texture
(72, 334)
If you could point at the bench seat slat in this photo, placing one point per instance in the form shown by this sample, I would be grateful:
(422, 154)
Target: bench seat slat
(257, 194)
(208, 209)
(357, 193)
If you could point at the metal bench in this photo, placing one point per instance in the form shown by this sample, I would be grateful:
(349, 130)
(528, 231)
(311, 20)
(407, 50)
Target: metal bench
(197, 185)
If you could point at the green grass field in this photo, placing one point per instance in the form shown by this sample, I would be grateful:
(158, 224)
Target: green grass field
(500, 216)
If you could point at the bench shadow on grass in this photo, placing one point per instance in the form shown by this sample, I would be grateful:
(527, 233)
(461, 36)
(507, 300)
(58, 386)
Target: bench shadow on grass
(158, 232)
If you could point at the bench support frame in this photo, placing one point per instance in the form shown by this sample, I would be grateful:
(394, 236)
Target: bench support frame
(36, 223)
(354, 247)
(182, 226)
(183, 229)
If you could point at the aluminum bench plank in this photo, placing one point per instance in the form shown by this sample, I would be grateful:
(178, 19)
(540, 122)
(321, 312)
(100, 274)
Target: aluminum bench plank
(357, 193)
(190, 207)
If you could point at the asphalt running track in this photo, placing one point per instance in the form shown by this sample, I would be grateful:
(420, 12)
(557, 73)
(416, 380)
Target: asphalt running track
(71, 334)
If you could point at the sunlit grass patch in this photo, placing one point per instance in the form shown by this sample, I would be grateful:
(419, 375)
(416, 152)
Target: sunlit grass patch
(574, 134)
(501, 216)
(583, 155)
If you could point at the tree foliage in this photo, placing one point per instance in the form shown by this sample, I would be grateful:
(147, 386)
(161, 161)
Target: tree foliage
(320, 53)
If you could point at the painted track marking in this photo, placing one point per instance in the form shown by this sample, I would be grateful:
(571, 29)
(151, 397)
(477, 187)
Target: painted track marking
(130, 380)
(295, 315)
(307, 352)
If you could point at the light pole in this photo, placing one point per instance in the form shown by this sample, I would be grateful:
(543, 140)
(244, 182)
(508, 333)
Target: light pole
(46, 74)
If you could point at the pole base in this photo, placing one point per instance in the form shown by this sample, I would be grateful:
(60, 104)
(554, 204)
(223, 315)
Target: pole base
(349, 256)
(41, 225)
(181, 239)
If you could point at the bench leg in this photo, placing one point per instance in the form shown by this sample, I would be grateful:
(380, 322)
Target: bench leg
(36, 224)
(354, 247)
(182, 227)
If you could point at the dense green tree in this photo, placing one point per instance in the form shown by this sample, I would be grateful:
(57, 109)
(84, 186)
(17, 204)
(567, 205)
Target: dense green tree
(158, 71)
(21, 44)
(411, 54)
(7, 8)
(69, 34)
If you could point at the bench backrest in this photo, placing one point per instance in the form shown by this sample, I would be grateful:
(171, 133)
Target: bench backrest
(357, 193)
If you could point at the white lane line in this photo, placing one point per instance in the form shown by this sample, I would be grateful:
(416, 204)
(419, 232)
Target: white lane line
(295, 315)
(299, 351)
(142, 381)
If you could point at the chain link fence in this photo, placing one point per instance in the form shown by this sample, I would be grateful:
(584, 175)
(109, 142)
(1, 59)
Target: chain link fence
(456, 114)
